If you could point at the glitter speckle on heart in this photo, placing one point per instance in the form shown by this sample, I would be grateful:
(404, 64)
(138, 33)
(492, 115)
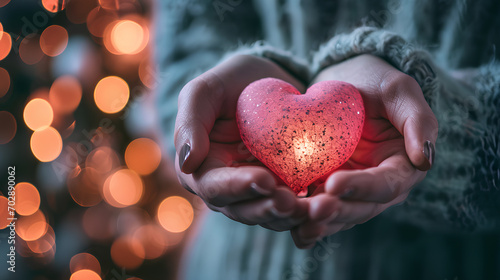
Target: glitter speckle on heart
(300, 137)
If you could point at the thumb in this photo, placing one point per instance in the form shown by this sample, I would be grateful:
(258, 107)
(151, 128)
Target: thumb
(408, 111)
(199, 105)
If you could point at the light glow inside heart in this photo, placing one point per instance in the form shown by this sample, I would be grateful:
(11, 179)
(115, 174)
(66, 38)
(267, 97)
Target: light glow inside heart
(300, 137)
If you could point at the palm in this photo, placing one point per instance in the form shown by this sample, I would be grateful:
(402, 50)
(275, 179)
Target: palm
(227, 147)
(379, 141)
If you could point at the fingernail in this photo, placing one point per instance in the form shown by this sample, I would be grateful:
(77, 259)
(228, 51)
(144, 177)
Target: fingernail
(260, 190)
(429, 151)
(184, 154)
(347, 193)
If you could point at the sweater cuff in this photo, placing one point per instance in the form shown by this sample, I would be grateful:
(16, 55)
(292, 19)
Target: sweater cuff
(384, 44)
(297, 67)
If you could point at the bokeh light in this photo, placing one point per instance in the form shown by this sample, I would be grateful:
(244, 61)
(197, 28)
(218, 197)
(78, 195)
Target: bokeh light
(54, 6)
(85, 187)
(31, 227)
(130, 219)
(85, 274)
(127, 252)
(109, 4)
(93, 178)
(29, 49)
(78, 10)
(8, 127)
(27, 199)
(143, 156)
(54, 40)
(111, 94)
(129, 37)
(5, 45)
(84, 261)
(98, 19)
(65, 94)
(43, 244)
(4, 2)
(123, 188)
(46, 144)
(175, 214)
(69, 130)
(4, 82)
(147, 74)
(153, 240)
(99, 222)
(38, 114)
(42, 93)
(4, 212)
(102, 159)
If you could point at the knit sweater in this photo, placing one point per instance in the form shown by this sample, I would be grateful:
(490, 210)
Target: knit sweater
(454, 213)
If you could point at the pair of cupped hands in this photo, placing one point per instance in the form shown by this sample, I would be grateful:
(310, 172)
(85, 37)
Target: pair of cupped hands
(395, 151)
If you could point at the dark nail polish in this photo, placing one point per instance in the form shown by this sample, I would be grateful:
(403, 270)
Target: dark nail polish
(347, 193)
(184, 154)
(429, 151)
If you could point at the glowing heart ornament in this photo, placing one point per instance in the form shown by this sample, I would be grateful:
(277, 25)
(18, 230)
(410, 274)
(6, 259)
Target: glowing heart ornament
(300, 137)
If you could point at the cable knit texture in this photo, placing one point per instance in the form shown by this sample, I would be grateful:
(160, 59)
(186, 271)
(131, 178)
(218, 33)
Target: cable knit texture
(388, 45)
(295, 65)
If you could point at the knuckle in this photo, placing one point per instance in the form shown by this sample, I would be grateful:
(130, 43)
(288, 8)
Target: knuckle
(190, 89)
(394, 81)
(208, 195)
(208, 87)
(212, 84)
(235, 215)
(244, 58)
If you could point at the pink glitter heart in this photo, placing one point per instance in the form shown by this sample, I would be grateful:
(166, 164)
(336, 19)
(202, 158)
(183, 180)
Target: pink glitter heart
(300, 137)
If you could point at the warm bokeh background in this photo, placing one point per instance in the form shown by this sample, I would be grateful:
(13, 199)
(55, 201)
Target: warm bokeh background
(96, 196)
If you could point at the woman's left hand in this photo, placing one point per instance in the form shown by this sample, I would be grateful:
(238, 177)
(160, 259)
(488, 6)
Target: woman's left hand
(394, 153)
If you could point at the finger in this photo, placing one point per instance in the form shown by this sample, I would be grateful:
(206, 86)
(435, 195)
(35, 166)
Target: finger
(214, 95)
(280, 205)
(382, 184)
(408, 111)
(306, 235)
(347, 227)
(355, 212)
(280, 212)
(199, 105)
(251, 212)
(323, 208)
(298, 216)
(333, 228)
(225, 185)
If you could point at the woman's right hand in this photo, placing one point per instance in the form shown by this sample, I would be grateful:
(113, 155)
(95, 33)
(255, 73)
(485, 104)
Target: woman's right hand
(212, 160)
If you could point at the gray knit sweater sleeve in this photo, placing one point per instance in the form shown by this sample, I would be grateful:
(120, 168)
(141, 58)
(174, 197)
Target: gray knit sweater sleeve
(385, 44)
(462, 189)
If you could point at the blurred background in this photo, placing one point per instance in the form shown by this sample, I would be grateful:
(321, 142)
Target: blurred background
(95, 195)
